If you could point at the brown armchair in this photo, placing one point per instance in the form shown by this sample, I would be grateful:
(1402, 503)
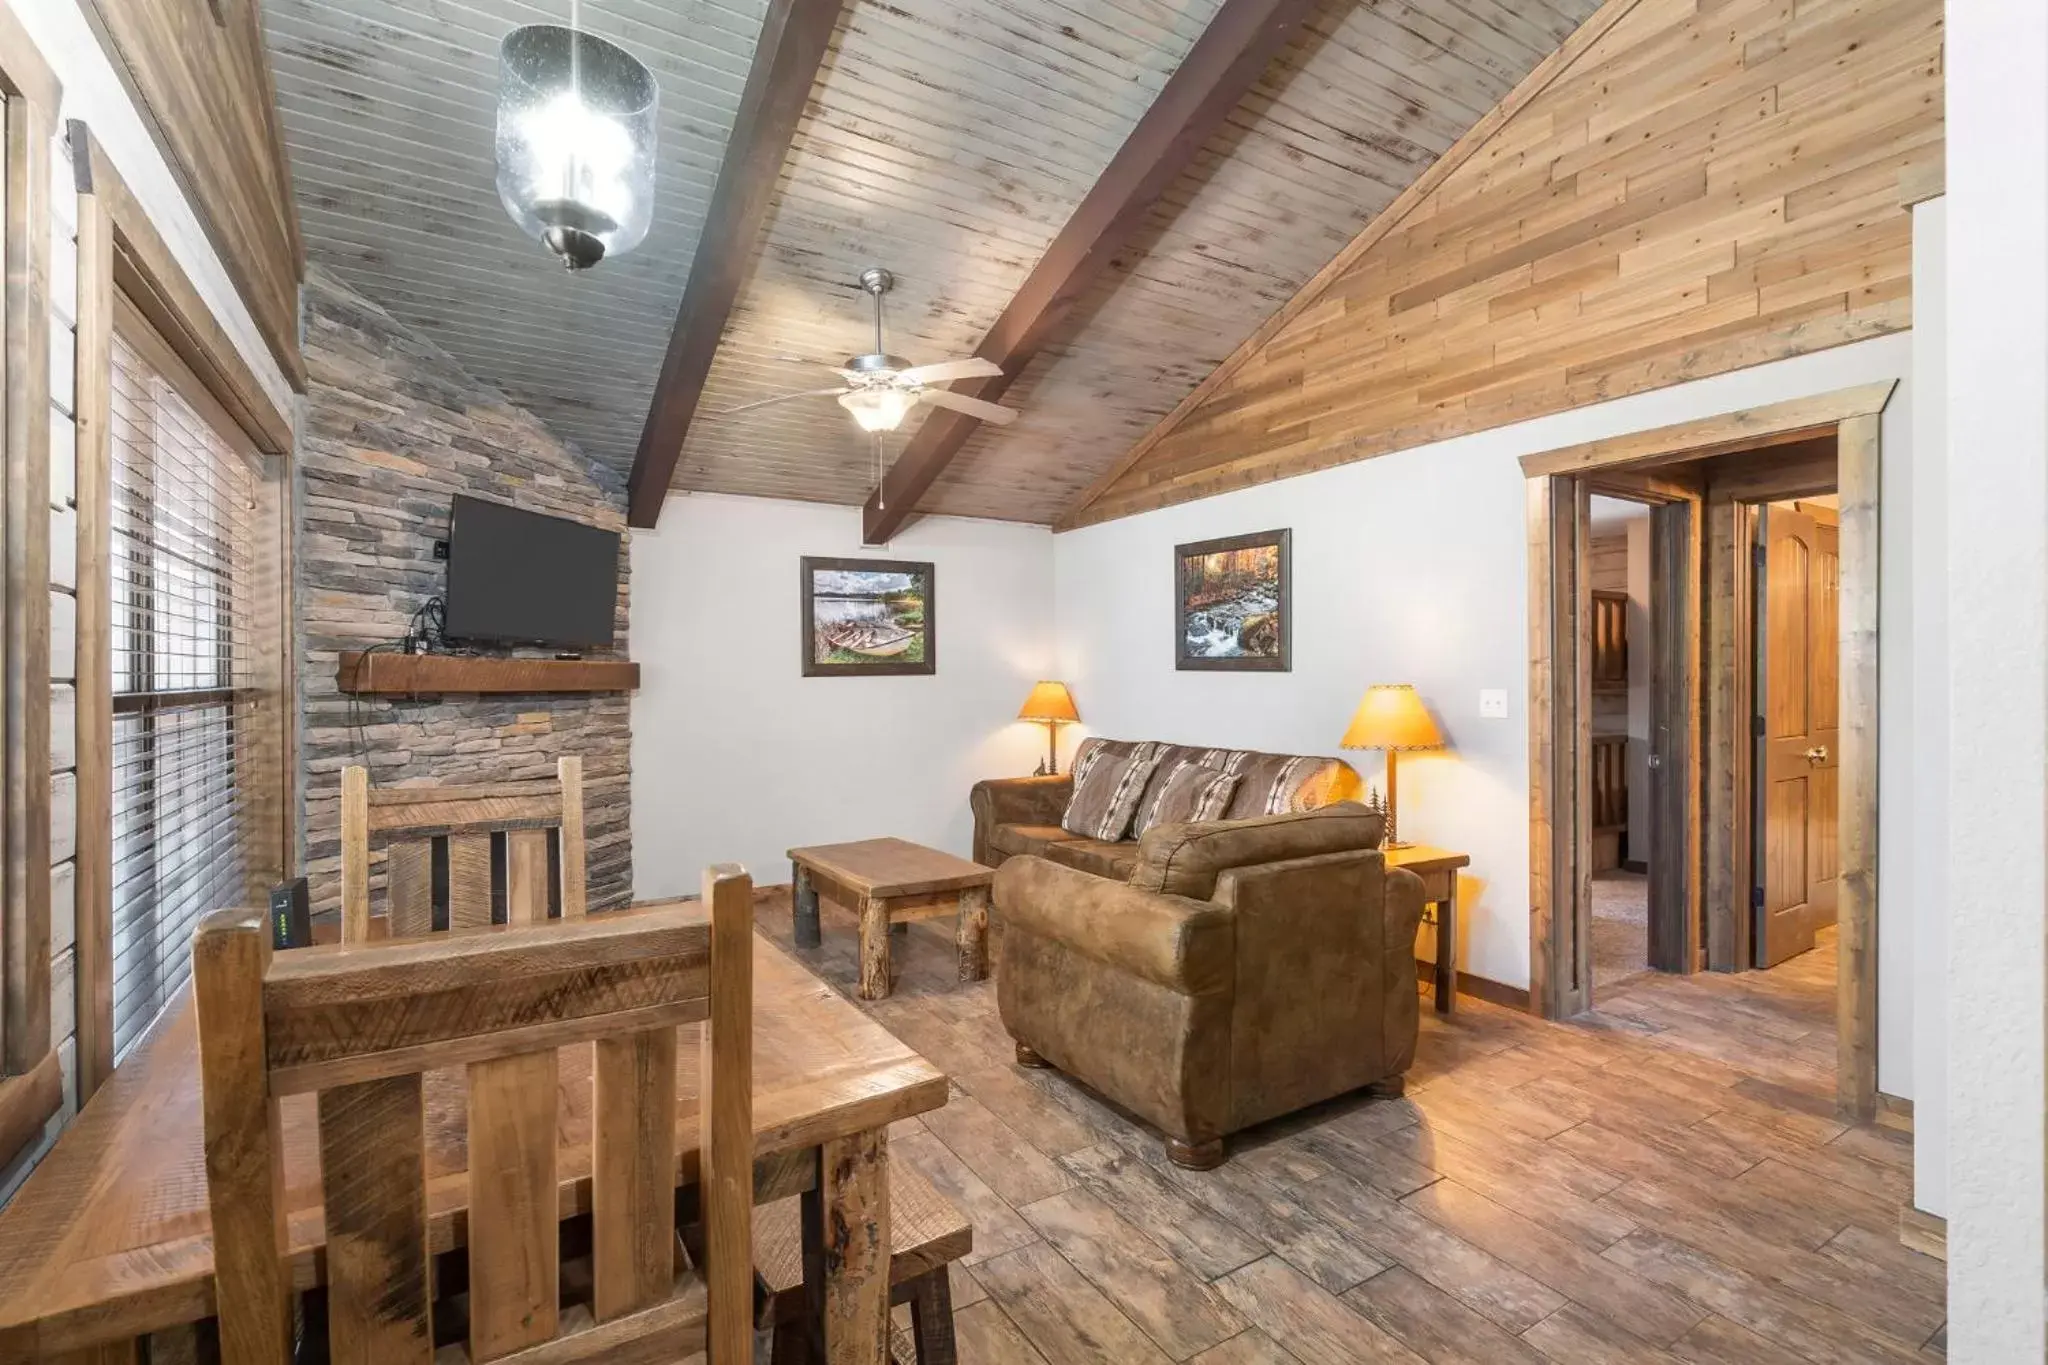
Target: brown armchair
(1247, 969)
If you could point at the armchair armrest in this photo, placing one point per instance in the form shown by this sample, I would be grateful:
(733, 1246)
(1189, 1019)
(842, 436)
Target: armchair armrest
(1185, 945)
(1016, 801)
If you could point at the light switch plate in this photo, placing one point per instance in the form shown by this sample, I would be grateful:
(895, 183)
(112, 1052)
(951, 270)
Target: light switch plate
(1493, 703)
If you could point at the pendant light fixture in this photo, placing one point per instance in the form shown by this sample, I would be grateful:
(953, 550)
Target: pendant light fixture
(576, 135)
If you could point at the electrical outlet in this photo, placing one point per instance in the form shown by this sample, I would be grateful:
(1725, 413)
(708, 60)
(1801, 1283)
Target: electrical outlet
(1493, 703)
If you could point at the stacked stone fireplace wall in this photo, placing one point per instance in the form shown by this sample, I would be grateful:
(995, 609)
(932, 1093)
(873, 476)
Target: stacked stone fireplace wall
(393, 430)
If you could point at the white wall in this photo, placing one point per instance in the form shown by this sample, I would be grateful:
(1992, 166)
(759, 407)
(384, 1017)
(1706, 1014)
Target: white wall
(1413, 567)
(1996, 777)
(737, 757)
(1927, 681)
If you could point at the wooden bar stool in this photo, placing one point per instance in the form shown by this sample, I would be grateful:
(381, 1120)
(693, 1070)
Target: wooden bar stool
(926, 1234)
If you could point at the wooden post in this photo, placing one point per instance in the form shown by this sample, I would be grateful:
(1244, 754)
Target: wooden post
(355, 854)
(570, 772)
(874, 948)
(1857, 477)
(972, 933)
(726, 1106)
(244, 1155)
(94, 961)
(803, 907)
(855, 1176)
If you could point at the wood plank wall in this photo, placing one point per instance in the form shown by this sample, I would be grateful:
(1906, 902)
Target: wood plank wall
(1712, 184)
(202, 80)
(62, 560)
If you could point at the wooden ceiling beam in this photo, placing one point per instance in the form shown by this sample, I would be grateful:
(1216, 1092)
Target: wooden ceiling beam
(794, 37)
(1225, 62)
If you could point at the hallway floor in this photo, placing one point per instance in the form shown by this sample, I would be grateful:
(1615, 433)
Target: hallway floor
(1660, 1180)
(1621, 927)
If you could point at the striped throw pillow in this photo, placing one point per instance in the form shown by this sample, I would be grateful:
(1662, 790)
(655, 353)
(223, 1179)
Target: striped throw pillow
(1106, 792)
(1190, 794)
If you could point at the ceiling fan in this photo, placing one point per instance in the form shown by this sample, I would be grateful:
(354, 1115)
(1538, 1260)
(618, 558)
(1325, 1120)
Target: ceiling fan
(881, 389)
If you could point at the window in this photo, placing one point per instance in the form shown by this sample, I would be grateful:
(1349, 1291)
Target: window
(184, 576)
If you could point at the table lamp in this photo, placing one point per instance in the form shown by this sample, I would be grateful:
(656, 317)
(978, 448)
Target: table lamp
(1391, 716)
(1051, 704)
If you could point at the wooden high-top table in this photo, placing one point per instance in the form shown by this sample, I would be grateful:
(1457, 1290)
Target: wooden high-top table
(110, 1237)
(887, 882)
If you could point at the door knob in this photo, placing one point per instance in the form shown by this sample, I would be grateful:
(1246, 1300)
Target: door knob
(1817, 754)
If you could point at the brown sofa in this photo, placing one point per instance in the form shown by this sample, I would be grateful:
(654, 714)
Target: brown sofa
(1241, 969)
(1022, 814)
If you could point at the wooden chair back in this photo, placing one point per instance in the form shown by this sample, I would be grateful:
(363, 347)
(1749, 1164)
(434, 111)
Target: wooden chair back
(456, 824)
(358, 1025)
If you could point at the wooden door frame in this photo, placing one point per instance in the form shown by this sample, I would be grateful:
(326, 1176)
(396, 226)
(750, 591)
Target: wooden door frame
(1561, 708)
(1559, 697)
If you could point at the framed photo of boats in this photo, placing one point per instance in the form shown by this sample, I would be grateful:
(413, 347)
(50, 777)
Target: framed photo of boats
(868, 617)
(1234, 604)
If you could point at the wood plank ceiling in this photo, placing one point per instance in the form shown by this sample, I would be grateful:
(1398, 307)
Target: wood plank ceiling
(389, 110)
(947, 141)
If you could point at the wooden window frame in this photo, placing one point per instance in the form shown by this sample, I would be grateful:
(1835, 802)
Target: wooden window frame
(124, 262)
(1560, 706)
(31, 1086)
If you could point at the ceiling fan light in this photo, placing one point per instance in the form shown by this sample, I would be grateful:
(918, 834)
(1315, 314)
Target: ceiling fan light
(877, 409)
(576, 141)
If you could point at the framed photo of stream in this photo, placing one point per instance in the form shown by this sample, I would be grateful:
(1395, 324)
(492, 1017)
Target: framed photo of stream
(1234, 604)
(869, 618)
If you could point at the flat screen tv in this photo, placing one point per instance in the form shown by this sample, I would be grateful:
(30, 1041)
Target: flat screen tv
(517, 577)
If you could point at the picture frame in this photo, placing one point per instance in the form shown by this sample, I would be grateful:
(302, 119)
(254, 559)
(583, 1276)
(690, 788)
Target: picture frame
(869, 617)
(1234, 604)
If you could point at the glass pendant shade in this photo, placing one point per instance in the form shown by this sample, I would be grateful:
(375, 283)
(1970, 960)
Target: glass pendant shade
(576, 135)
(876, 409)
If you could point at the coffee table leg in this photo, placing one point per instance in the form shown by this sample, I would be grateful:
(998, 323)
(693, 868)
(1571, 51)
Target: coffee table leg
(971, 937)
(803, 907)
(874, 948)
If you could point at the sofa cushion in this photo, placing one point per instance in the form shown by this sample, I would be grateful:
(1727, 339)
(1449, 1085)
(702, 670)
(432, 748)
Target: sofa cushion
(1190, 792)
(1106, 791)
(1096, 856)
(1094, 749)
(1015, 839)
(1274, 784)
(1184, 860)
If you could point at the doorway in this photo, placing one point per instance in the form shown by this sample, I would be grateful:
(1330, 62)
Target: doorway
(1713, 482)
(1616, 794)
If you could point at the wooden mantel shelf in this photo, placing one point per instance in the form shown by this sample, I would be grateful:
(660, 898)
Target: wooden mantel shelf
(392, 674)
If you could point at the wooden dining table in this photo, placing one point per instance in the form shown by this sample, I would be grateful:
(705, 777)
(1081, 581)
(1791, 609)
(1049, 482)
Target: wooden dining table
(110, 1239)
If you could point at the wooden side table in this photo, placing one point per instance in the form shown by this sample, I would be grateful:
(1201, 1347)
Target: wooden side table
(890, 882)
(1438, 868)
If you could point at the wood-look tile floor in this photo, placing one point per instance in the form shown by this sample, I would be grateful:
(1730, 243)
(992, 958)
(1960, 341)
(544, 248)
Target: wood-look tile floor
(1661, 1180)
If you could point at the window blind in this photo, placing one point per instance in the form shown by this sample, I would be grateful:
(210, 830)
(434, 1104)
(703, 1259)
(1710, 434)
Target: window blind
(181, 550)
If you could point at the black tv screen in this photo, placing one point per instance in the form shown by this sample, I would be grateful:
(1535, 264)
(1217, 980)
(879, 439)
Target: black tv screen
(517, 577)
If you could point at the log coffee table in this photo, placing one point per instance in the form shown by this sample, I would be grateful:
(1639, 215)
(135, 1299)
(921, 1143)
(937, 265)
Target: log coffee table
(891, 882)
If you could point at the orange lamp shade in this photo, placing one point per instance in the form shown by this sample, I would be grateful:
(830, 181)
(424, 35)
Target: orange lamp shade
(1392, 716)
(1049, 701)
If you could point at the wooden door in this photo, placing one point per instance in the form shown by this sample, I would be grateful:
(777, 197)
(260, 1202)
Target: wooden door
(1798, 651)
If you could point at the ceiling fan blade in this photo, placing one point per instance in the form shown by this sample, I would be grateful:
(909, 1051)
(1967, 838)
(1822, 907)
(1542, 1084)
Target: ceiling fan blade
(994, 413)
(945, 371)
(778, 398)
